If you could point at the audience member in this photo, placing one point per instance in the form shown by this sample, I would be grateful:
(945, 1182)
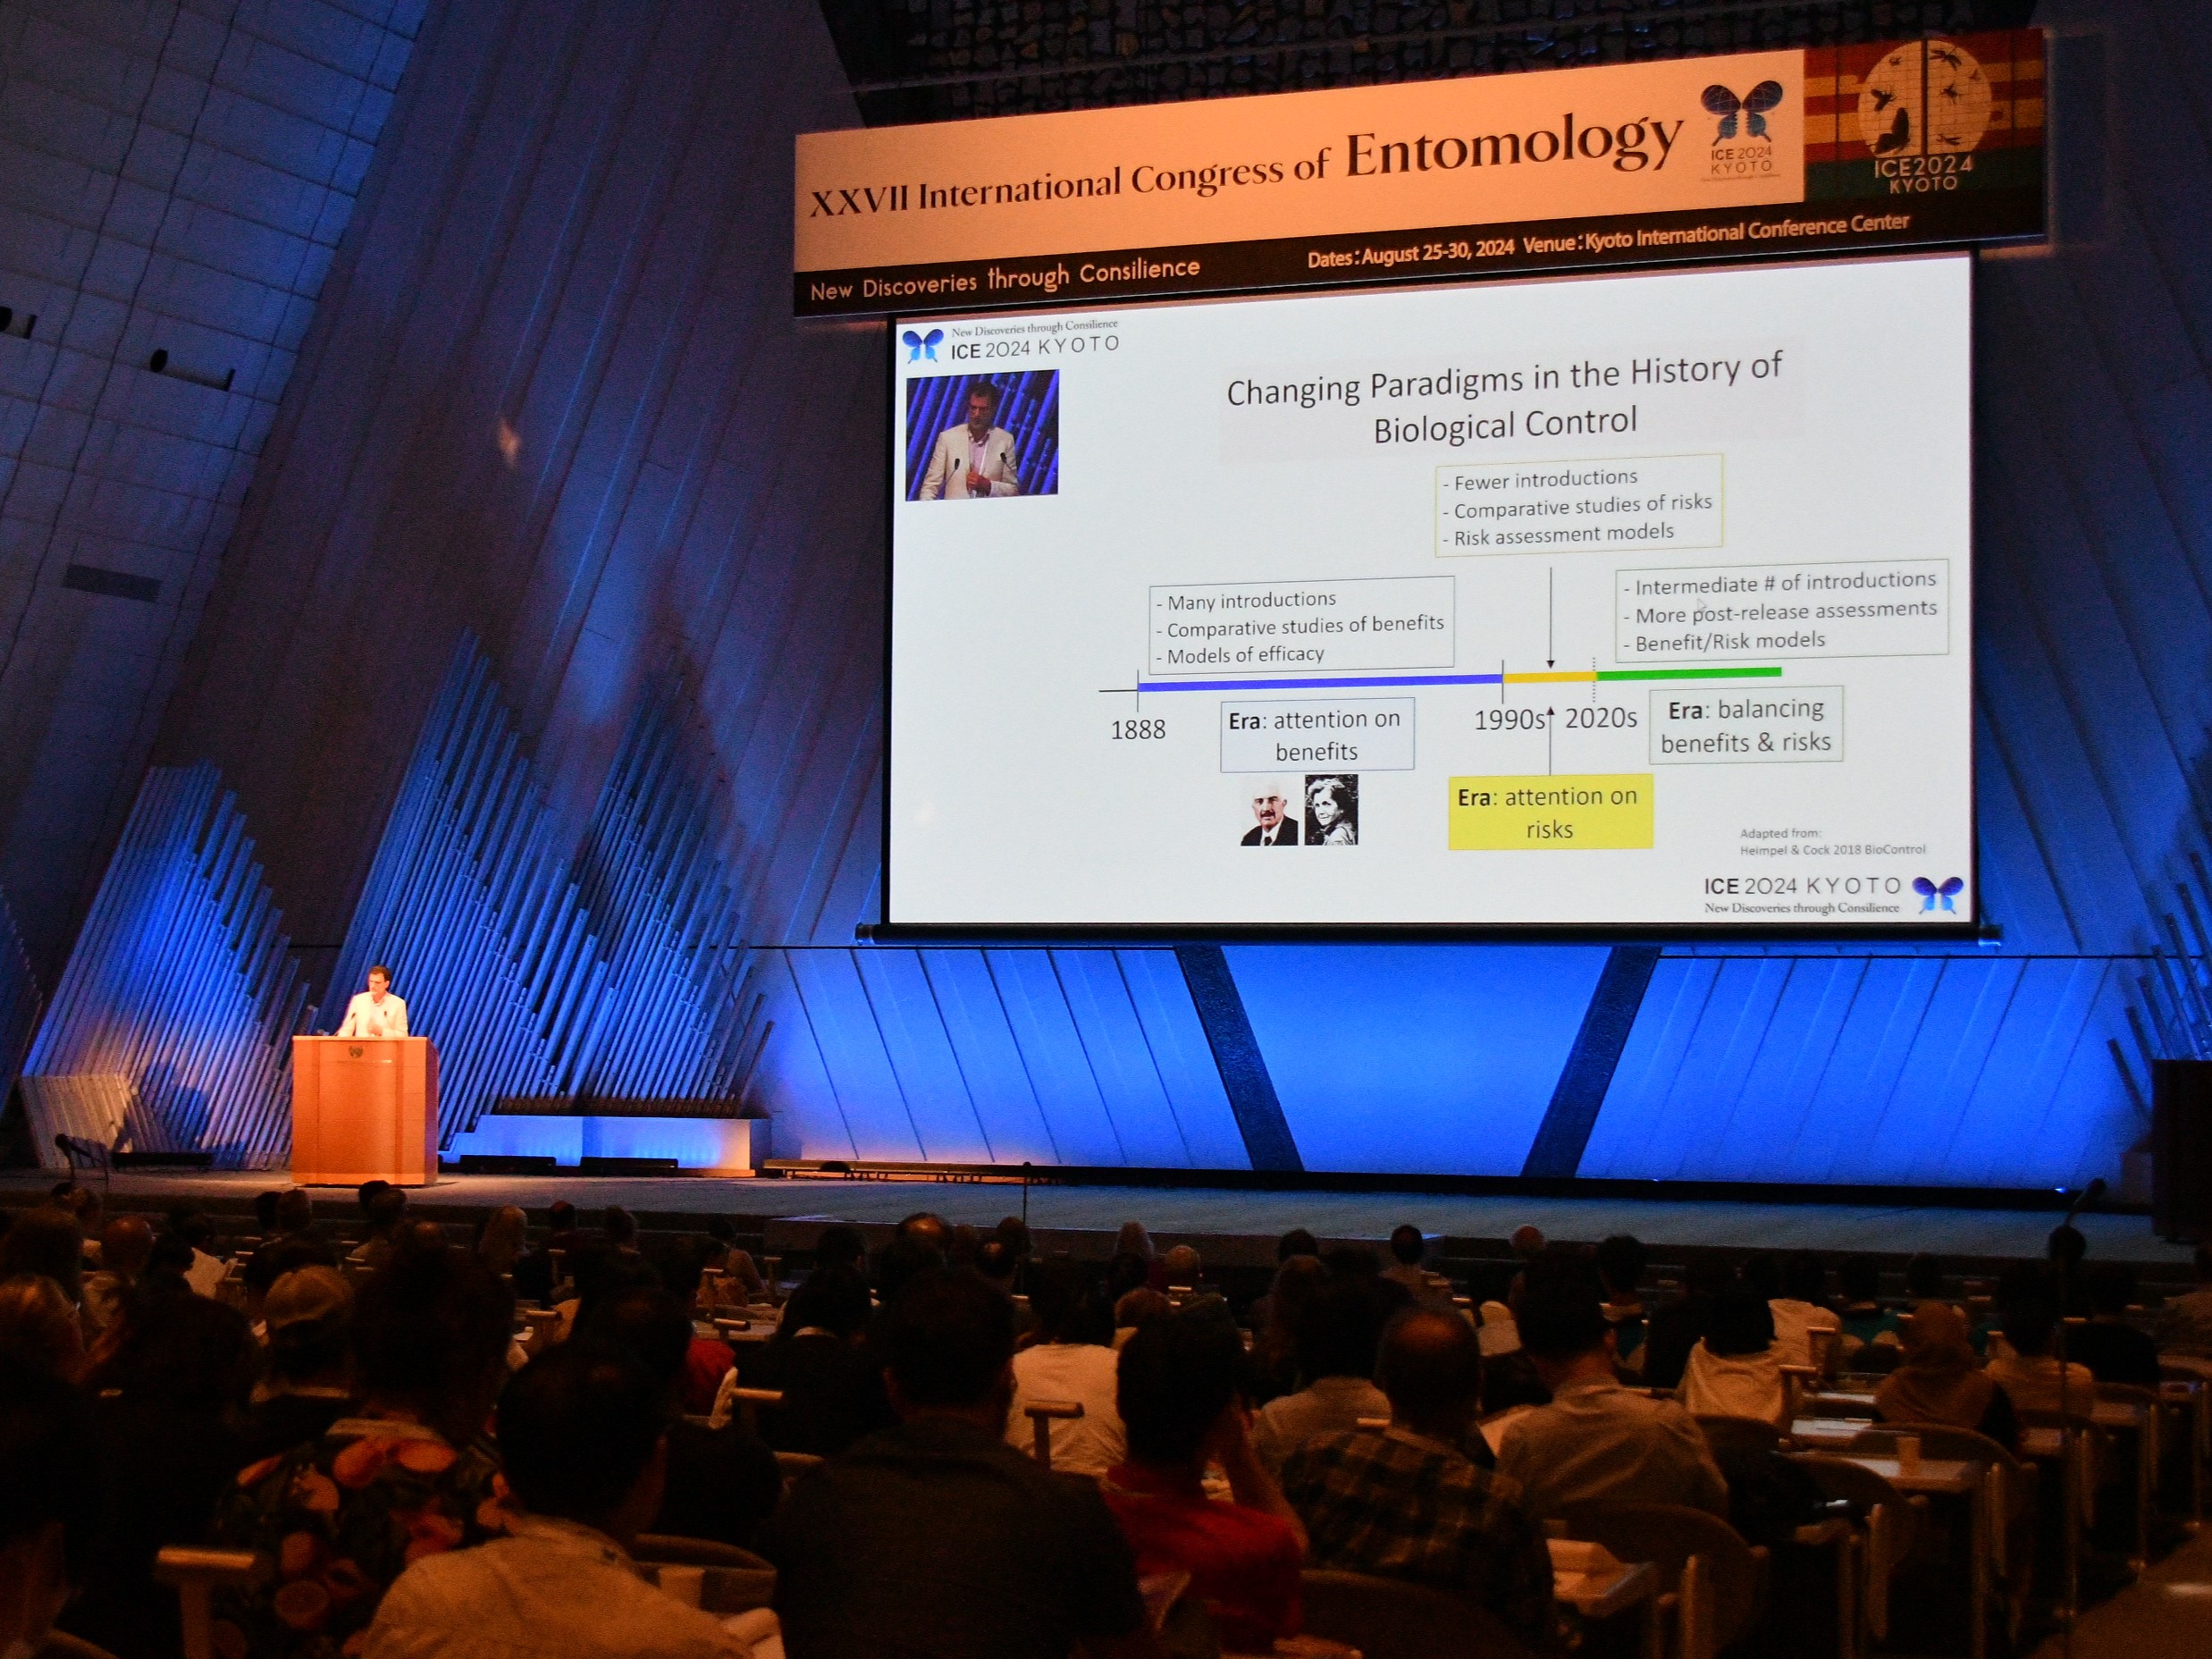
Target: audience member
(1796, 1292)
(1135, 1309)
(581, 1435)
(1527, 1242)
(739, 1284)
(38, 1327)
(2114, 1350)
(46, 1242)
(502, 1237)
(125, 1243)
(1127, 1271)
(1298, 1242)
(1185, 1268)
(720, 1483)
(1673, 1331)
(928, 1229)
(82, 1205)
(1869, 1330)
(172, 1383)
(51, 1497)
(707, 1360)
(308, 1314)
(936, 1529)
(1410, 1500)
(207, 1270)
(1132, 1239)
(2185, 1322)
(1596, 1441)
(906, 1256)
(294, 1243)
(1337, 1336)
(1408, 1248)
(1274, 1369)
(618, 1227)
(840, 1247)
(963, 1243)
(1621, 1263)
(1923, 1278)
(1736, 1370)
(1939, 1380)
(265, 1211)
(832, 1386)
(408, 1475)
(1179, 1402)
(1073, 1360)
(2030, 1373)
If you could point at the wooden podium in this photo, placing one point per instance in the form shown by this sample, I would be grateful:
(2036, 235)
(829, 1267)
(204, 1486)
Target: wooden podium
(365, 1108)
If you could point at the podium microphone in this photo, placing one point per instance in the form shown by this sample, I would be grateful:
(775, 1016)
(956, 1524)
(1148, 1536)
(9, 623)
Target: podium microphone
(2089, 1194)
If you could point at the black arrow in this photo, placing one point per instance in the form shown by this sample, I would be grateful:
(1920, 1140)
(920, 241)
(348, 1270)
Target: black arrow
(1549, 662)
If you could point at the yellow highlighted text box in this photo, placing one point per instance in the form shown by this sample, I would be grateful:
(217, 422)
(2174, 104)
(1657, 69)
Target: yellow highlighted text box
(1561, 813)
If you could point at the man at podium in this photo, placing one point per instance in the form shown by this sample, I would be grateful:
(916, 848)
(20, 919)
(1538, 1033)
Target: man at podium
(375, 1011)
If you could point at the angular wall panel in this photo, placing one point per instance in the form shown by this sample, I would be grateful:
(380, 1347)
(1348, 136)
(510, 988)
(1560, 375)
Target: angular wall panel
(181, 985)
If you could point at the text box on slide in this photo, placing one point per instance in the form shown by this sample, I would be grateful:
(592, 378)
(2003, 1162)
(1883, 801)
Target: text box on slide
(1580, 507)
(1303, 628)
(1549, 812)
(1374, 734)
(1715, 725)
(1724, 613)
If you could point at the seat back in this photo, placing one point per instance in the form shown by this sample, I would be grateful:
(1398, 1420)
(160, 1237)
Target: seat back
(1748, 1434)
(196, 1575)
(1396, 1618)
(1670, 1535)
(668, 1549)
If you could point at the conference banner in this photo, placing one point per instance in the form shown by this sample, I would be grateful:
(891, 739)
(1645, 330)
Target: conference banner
(1820, 151)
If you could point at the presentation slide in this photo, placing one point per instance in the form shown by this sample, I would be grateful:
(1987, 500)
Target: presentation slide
(1635, 601)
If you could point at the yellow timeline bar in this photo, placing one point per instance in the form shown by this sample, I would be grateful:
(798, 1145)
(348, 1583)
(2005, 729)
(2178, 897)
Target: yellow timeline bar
(1552, 813)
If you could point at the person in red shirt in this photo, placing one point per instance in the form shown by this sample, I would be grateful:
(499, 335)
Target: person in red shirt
(1178, 1393)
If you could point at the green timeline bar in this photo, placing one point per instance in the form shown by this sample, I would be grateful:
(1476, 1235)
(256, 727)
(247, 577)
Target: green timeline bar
(1606, 674)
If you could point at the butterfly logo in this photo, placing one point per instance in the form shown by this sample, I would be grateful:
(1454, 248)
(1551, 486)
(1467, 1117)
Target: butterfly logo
(920, 346)
(1931, 895)
(1752, 106)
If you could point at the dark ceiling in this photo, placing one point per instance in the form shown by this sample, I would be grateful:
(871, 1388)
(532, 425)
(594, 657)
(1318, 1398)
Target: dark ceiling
(944, 60)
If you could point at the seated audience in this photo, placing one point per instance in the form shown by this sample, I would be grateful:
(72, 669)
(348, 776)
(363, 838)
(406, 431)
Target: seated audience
(46, 1242)
(502, 1237)
(2114, 1350)
(1180, 1408)
(1939, 1381)
(1184, 1267)
(38, 1327)
(1797, 1292)
(1337, 1336)
(384, 1213)
(906, 1256)
(308, 1314)
(1673, 1331)
(125, 1243)
(721, 1483)
(2031, 1371)
(840, 1247)
(1298, 1242)
(739, 1284)
(175, 1374)
(2185, 1321)
(1621, 1263)
(936, 1538)
(620, 1228)
(1073, 1360)
(83, 1206)
(581, 1432)
(1736, 1370)
(1273, 1371)
(1135, 1309)
(1869, 1330)
(707, 1360)
(1597, 1442)
(295, 1243)
(207, 1271)
(1410, 1500)
(1527, 1242)
(1408, 1249)
(832, 1385)
(51, 1498)
(408, 1474)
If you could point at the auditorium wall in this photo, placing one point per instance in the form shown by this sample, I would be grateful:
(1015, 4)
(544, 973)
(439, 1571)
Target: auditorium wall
(553, 397)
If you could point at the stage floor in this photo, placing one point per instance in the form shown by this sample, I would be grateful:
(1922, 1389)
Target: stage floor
(788, 1211)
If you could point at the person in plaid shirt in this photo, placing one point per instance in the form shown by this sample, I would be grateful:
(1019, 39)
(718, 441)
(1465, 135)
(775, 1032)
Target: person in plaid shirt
(1409, 1500)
